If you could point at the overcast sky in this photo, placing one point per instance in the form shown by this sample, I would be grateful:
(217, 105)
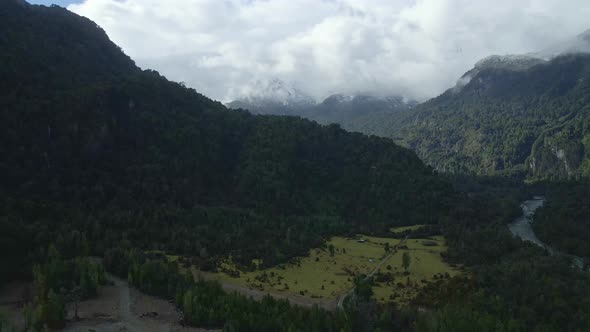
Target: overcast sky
(415, 48)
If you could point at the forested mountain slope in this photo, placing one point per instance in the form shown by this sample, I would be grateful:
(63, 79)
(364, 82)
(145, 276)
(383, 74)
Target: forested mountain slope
(564, 221)
(89, 139)
(101, 158)
(360, 113)
(508, 115)
(516, 114)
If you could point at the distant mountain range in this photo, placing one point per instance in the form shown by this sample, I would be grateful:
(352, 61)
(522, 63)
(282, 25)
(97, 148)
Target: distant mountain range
(526, 114)
(353, 112)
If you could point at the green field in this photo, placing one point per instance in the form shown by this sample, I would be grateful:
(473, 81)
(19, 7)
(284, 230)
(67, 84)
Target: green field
(322, 275)
(318, 275)
(426, 264)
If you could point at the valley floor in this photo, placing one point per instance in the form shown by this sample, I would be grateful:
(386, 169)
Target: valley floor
(324, 277)
(117, 308)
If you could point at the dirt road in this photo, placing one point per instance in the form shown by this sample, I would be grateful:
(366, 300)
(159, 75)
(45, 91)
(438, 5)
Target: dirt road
(118, 308)
(303, 301)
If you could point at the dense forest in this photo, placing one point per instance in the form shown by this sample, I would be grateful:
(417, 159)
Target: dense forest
(515, 286)
(103, 160)
(564, 220)
(532, 122)
(88, 136)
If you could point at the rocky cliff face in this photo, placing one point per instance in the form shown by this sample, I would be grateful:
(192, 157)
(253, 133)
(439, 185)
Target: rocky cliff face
(562, 154)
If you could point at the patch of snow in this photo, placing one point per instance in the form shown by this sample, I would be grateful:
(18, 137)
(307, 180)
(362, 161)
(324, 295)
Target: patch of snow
(275, 91)
(510, 61)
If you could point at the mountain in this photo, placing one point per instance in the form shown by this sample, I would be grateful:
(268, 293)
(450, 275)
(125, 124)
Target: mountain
(359, 113)
(274, 97)
(507, 62)
(100, 158)
(508, 114)
(92, 143)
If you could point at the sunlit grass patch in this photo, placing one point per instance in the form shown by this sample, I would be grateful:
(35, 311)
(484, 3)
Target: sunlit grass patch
(326, 275)
(426, 265)
(319, 275)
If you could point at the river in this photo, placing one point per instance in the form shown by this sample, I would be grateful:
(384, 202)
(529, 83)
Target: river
(522, 227)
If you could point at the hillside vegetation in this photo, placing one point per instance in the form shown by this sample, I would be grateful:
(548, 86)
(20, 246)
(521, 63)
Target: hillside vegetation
(509, 115)
(533, 122)
(564, 221)
(88, 138)
(100, 158)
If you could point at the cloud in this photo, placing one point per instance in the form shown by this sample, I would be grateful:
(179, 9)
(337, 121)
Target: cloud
(416, 48)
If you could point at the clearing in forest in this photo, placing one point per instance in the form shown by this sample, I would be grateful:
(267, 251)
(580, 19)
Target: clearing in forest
(327, 274)
(393, 284)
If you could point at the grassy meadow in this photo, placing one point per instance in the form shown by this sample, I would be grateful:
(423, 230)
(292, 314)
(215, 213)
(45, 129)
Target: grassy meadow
(426, 265)
(327, 275)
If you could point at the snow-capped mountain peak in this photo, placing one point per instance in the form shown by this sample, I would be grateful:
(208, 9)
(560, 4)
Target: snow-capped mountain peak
(519, 62)
(336, 99)
(275, 91)
(510, 61)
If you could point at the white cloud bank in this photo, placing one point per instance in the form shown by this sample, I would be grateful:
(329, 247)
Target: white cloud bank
(415, 48)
